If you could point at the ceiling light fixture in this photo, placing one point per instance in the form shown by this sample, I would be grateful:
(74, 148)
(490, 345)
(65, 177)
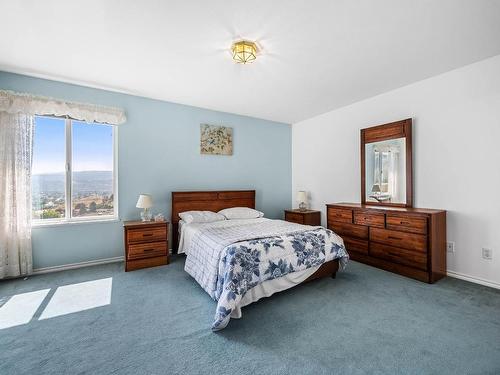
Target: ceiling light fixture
(244, 51)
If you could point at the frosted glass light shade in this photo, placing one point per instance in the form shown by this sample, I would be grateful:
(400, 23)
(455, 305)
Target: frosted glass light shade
(301, 196)
(144, 201)
(244, 51)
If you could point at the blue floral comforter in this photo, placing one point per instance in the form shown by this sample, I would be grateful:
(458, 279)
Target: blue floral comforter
(267, 249)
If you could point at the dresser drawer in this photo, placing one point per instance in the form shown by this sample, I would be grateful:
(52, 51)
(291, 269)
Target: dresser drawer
(351, 230)
(354, 244)
(147, 250)
(294, 218)
(402, 256)
(340, 214)
(373, 219)
(146, 234)
(404, 240)
(404, 223)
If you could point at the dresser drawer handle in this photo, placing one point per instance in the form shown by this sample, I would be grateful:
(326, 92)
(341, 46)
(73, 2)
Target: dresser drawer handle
(147, 234)
(148, 250)
(394, 238)
(404, 222)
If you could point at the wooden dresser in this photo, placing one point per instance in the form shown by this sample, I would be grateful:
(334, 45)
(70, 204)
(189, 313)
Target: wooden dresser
(408, 241)
(307, 217)
(146, 244)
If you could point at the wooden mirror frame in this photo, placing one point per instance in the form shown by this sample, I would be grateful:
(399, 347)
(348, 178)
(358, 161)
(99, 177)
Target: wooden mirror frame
(393, 130)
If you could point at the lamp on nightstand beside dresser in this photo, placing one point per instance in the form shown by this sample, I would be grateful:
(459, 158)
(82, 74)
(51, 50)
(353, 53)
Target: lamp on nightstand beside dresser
(146, 244)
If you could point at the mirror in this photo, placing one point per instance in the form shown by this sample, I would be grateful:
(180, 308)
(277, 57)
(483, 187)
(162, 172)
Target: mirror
(385, 170)
(386, 164)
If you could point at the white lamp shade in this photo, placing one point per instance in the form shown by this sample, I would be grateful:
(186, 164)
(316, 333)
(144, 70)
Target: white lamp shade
(301, 196)
(144, 201)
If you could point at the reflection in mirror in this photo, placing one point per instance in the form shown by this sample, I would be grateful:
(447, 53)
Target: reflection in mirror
(385, 171)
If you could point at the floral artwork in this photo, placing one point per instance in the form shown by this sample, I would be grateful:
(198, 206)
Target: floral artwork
(216, 140)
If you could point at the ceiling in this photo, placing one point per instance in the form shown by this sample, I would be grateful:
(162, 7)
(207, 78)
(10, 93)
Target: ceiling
(317, 55)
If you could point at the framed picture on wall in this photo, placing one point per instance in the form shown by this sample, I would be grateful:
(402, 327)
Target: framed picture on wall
(216, 140)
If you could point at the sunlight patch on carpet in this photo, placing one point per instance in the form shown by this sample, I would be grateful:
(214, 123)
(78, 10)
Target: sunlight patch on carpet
(79, 297)
(20, 308)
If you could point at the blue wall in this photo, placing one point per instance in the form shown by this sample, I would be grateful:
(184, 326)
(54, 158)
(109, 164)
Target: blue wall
(159, 153)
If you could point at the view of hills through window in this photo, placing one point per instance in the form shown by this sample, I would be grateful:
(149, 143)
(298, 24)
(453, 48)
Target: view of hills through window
(91, 163)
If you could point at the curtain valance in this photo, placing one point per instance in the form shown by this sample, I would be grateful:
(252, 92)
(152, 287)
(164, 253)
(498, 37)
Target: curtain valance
(13, 102)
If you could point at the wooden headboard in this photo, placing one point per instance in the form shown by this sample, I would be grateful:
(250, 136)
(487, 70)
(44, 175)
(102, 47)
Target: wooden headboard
(206, 201)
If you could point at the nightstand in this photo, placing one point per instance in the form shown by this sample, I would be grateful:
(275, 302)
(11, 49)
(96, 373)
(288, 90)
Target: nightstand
(307, 217)
(146, 244)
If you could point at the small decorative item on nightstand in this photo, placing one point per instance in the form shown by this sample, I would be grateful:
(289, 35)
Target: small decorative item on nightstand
(146, 244)
(302, 199)
(307, 217)
(145, 201)
(159, 217)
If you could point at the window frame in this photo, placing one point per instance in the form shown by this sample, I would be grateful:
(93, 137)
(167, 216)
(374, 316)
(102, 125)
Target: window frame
(68, 219)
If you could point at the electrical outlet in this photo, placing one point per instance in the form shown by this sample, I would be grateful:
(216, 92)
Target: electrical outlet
(450, 247)
(487, 253)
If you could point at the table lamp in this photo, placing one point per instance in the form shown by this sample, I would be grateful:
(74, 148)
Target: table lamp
(302, 199)
(145, 201)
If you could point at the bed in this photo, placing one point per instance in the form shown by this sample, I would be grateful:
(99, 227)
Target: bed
(237, 262)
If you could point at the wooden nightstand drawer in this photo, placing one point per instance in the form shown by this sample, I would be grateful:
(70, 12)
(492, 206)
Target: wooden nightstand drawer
(306, 217)
(146, 234)
(294, 218)
(340, 214)
(147, 250)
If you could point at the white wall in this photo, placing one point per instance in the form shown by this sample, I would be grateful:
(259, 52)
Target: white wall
(456, 129)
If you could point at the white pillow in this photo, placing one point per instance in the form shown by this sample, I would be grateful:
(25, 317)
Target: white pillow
(241, 213)
(201, 217)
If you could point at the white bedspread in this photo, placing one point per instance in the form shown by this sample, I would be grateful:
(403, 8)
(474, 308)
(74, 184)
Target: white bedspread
(239, 261)
(203, 243)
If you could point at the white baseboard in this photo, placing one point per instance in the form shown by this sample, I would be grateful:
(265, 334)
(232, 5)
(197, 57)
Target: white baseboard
(472, 279)
(39, 271)
(71, 266)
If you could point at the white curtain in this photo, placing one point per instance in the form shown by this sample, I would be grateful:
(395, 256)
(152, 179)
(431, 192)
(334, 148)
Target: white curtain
(16, 146)
(17, 111)
(28, 104)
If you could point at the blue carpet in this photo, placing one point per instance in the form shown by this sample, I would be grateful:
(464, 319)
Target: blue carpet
(367, 321)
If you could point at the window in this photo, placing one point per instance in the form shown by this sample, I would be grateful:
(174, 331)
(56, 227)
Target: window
(73, 171)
